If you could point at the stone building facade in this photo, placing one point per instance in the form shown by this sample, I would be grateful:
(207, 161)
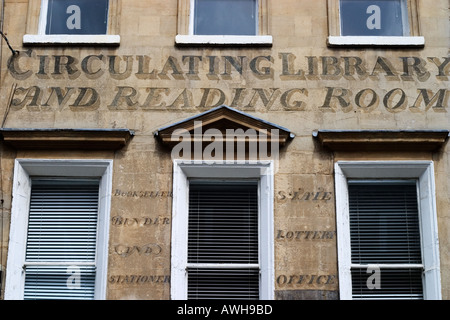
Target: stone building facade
(136, 101)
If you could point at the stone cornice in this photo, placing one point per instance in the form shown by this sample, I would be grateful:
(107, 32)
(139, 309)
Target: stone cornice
(92, 139)
(382, 140)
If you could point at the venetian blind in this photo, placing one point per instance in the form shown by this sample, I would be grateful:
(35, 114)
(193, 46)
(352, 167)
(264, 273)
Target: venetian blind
(61, 239)
(384, 231)
(223, 241)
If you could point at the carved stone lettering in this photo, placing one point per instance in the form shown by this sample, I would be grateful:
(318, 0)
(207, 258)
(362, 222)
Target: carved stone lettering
(292, 68)
(129, 98)
(288, 235)
(303, 195)
(140, 222)
(151, 249)
(138, 279)
(305, 280)
(395, 100)
(142, 194)
(21, 67)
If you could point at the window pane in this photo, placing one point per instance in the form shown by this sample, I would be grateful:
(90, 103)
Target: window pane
(225, 17)
(59, 283)
(62, 231)
(223, 223)
(223, 228)
(372, 17)
(62, 222)
(77, 17)
(384, 223)
(241, 284)
(384, 229)
(393, 284)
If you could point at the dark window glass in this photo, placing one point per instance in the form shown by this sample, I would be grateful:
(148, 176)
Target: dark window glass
(225, 17)
(372, 18)
(77, 17)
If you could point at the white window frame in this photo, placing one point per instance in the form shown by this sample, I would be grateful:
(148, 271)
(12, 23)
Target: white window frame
(24, 170)
(423, 171)
(36, 29)
(411, 36)
(182, 172)
(186, 34)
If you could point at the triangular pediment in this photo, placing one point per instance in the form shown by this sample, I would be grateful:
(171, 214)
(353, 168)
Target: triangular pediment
(224, 119)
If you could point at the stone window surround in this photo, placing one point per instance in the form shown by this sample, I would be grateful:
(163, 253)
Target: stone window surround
(185, 31)
(424, 172)
(335, 39)
(182, 172)
(24, 169)
(35, 30)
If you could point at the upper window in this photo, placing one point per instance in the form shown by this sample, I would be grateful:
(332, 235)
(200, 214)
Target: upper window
(374, 18)
(76, 17)
(223, 22)
(373, 22)
(226, 17)
(72, 22)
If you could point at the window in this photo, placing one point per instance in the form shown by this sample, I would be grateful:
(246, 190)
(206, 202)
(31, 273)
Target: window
(223, 22)
(374, 18)
(222, 235)
(223, 240)
(61, 239)
(59, 230)
(387, 230)
(72, 22)
(384, 232)
(76, 16)
(373, 22)
(226, 17)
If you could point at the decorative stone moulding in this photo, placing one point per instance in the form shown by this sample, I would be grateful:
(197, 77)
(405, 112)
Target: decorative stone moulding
(382, 140)
(93, 139)
(224, 118)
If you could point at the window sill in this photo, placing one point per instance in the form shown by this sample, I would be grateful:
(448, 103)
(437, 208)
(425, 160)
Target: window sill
(375, 41)
(34, 39)
(223, 40)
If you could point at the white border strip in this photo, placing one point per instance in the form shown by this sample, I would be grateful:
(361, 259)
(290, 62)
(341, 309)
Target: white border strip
(228, 40)
(71, 39)
(375, 41)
